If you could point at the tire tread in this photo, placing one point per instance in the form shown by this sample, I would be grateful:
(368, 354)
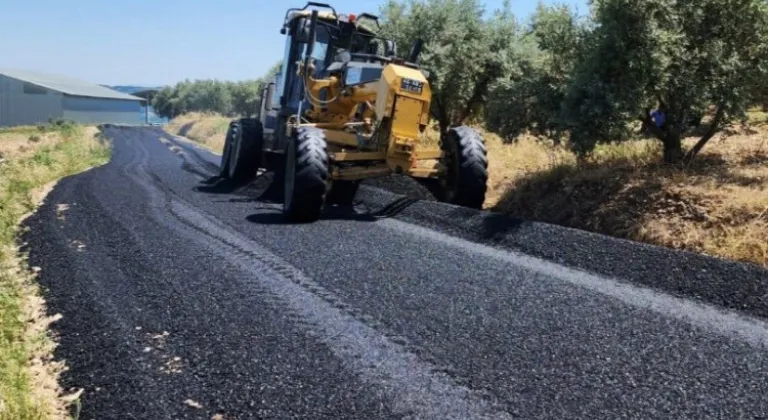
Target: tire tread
(473, 167)
(312, 174)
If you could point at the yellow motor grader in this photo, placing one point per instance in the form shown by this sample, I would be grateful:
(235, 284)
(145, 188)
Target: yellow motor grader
(343, 108)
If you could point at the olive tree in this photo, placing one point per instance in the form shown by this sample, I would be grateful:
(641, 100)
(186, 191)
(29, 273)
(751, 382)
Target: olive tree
(227, 98)
(530, 98)
(246, 98)
(464, 52)
(680, 57)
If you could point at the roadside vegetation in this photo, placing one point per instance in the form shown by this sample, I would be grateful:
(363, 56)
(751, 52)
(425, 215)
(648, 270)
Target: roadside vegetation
(206, 128)
(641, 119)
(31, 159)
(220, 97)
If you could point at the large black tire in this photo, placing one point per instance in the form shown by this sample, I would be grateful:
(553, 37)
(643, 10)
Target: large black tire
(224, 166)
(343, 192)
(306, 175)
(466, 162)
(244, 149)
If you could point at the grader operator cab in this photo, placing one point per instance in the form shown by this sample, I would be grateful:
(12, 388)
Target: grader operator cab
(343, 108)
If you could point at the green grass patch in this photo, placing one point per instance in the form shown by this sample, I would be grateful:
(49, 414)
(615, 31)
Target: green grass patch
(74, 152)
(221, 126)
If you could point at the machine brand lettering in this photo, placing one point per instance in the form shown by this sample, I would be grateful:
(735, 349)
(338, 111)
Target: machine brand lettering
(412, 86)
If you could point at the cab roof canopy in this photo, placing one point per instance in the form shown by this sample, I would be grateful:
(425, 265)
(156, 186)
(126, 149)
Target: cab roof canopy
(328, 16)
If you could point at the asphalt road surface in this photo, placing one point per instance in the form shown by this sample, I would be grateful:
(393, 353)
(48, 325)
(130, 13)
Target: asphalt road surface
(186, 299)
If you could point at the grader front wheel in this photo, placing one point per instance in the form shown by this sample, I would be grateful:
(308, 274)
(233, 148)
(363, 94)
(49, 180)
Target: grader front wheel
(306, 175)
(464, 182)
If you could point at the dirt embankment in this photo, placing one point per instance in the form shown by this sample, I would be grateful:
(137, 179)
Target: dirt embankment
(718, 205)
(32, 159)
(206, 129)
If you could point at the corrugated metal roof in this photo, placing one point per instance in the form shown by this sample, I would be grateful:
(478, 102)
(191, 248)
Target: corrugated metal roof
(67, 85)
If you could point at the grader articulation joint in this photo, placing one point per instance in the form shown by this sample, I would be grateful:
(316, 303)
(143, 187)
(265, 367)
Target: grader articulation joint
(344, 108)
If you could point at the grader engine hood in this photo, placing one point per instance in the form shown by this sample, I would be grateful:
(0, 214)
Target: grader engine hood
(404, 96)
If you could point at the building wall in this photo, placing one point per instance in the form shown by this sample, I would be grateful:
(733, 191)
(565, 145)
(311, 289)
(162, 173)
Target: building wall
(23, 103)
(102, 110)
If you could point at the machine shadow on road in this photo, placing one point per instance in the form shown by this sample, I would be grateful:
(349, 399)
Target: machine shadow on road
(218, 185)
(488, 225)
(266, 190)
(338, 212)
(260, 189)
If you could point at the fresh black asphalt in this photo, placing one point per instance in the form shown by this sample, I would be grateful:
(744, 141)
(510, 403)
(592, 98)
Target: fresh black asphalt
(186, 299)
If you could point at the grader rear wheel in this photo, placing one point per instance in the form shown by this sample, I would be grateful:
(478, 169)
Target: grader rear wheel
(224, 166)
(306, 175)
(244, 149)
(466, 163)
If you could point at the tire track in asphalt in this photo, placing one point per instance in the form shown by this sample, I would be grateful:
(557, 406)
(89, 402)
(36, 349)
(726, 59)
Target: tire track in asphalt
(707, 317)
(416, 389)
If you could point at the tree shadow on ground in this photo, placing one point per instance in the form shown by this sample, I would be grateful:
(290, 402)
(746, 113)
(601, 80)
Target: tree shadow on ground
(184, 129)
(757, 159)
(497, 226)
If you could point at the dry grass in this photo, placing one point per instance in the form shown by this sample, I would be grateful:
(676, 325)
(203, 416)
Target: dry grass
(206, 129)
(717, 206)
(28, 375)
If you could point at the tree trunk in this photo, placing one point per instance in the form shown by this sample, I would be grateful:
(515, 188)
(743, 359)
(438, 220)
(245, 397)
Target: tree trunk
(645, 128)
(444, 124)
(673, 148)
(441, 115)
(713, 128)
(481, 87)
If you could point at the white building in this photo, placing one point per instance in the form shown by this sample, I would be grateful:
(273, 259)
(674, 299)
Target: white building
(28, 98)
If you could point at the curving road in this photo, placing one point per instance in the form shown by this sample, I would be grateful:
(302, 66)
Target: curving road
(187, 299)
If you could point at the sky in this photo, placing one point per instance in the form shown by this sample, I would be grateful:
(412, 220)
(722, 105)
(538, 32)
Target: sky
(160, 42)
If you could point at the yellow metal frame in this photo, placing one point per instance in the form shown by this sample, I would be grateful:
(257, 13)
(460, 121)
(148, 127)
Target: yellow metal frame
(359, 172)
(358, 156)
(403, 158)
(401, 98)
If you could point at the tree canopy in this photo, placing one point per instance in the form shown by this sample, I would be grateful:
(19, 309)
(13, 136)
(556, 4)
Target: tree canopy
(463, 52)
(681, 57)
(223, 97)
(530, 97)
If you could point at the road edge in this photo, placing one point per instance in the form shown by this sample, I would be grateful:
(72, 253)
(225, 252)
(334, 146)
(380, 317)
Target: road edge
(37, 393)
